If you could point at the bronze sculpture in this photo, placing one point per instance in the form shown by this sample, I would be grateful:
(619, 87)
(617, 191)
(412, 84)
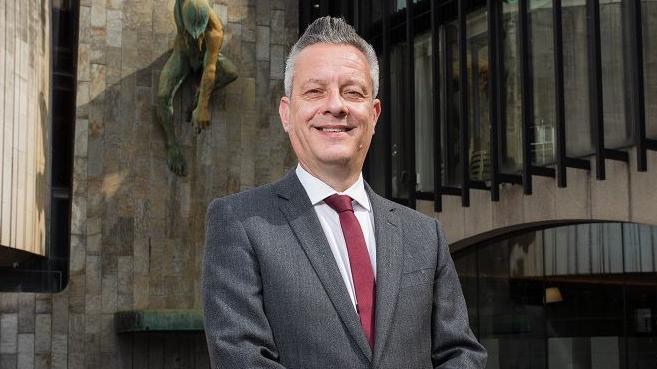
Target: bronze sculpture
(198, 41)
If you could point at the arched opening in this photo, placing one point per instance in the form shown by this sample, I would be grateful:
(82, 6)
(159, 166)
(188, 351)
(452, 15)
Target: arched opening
(577, 296)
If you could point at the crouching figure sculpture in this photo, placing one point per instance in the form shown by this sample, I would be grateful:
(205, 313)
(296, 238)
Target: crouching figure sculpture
(196, 49)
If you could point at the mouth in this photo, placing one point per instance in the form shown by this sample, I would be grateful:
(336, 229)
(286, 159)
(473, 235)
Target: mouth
(334, 129)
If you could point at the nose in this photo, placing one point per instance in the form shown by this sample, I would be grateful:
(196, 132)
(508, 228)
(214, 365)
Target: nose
(336, 105)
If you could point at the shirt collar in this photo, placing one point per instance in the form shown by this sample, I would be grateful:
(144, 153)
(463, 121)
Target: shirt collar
(318, 190)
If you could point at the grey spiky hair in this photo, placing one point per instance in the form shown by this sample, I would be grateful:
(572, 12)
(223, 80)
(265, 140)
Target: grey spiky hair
(330, 30)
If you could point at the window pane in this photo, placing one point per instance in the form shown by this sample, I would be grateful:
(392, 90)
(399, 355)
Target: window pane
(511, 125)
(542, 62)
(618, 129)
(478, 102)
(450, 126)
(400, 175)
(576, 81)
(649, 23)
(423, 113)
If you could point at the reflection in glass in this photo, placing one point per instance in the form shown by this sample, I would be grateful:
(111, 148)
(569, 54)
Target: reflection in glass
(581, 296)
(452, 174)
(618, 129)
(400, 175)
(511, 125)
(478, 97)
(649, 23)
(423, 113)
(576, 81)
(542, 71)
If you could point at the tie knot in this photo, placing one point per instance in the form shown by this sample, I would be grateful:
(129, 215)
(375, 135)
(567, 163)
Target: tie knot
(339, 203)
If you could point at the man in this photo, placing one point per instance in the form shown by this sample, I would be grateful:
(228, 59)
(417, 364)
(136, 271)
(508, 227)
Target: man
(316, 270)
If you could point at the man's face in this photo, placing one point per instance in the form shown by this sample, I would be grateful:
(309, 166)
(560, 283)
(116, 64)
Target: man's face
(331, 114)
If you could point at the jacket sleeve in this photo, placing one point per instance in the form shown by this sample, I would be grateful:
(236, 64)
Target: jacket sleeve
(453, 344)
(237, 330)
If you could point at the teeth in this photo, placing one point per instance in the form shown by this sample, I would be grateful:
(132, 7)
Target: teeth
(333, 129)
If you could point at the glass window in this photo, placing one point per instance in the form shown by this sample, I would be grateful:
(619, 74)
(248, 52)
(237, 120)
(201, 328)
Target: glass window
(581, 296)
(450, 123)
(542, 72)
(649, 23)
(478, 95)
(511, 125)
(400, 175)
(423, 113)
(576, 81)
(618, 129)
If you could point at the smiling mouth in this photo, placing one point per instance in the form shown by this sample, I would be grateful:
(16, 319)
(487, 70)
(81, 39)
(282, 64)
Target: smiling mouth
(334, 129)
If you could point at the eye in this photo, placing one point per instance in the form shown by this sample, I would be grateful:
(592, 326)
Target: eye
(313, 92)
(354, 94)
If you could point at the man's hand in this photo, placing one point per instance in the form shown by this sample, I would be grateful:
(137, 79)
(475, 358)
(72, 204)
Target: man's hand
(200, 118)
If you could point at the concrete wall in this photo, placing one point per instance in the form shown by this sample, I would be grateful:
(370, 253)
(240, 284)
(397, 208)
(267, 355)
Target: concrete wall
(138, 230)
(24, 113)
(626, 195)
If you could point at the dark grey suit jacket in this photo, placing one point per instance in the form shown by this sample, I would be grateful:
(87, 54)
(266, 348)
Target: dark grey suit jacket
(274, 297)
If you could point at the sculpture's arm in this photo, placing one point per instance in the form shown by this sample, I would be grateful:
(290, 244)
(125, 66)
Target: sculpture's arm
(214, 38)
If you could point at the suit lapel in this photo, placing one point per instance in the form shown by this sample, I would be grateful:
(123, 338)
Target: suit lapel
(296, 206)
(389, 255)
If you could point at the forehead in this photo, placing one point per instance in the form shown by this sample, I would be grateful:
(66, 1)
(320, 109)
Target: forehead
(324, 61)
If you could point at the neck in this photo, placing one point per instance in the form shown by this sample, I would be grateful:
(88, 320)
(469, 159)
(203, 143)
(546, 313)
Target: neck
(339, 177)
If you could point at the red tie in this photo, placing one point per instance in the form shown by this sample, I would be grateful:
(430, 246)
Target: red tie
(359, 260)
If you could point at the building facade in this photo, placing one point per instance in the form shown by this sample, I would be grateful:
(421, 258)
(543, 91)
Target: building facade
(526, 127)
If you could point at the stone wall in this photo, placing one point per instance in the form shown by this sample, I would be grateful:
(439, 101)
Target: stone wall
(137, 229)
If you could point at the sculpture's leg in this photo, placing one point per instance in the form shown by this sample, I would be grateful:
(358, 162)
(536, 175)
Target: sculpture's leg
(173, 74)
(226, 72)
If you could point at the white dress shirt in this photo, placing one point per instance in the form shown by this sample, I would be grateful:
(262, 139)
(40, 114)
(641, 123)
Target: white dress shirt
(317, 191)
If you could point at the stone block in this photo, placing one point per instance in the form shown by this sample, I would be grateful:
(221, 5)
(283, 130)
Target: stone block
(479, 215)
(76, 360)
(610, 198)
(85, 24)
(452, 218)
(109, 293)
(506, 212)
(9, 302)
(644, 195)
(26, 311)
(60, 313)
(541, 204)
(59, 351)
(76, 331)
(278, 27)
(248, 101)
(248, 65)
(115, 4)
(98, 14)
(8, 333)
(76, 293)
(43, 303)
(236, 13)
(108, 337)
(97, 80)
(78, 214)
(82, 100)
(93, 281)
(42, 333)
(262, 43)
(278, 4)
(98, 46)
(221, 11)
(84, 51)
(8, 361)
(114, 28)
(574, 201)
(26, 351)
(249, 25)
(278, 54)
(125, 275)
(263, 13)
(42, 361)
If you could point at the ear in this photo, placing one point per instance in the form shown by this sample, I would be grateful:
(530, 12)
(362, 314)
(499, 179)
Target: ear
(376, 108)
(284, 112)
